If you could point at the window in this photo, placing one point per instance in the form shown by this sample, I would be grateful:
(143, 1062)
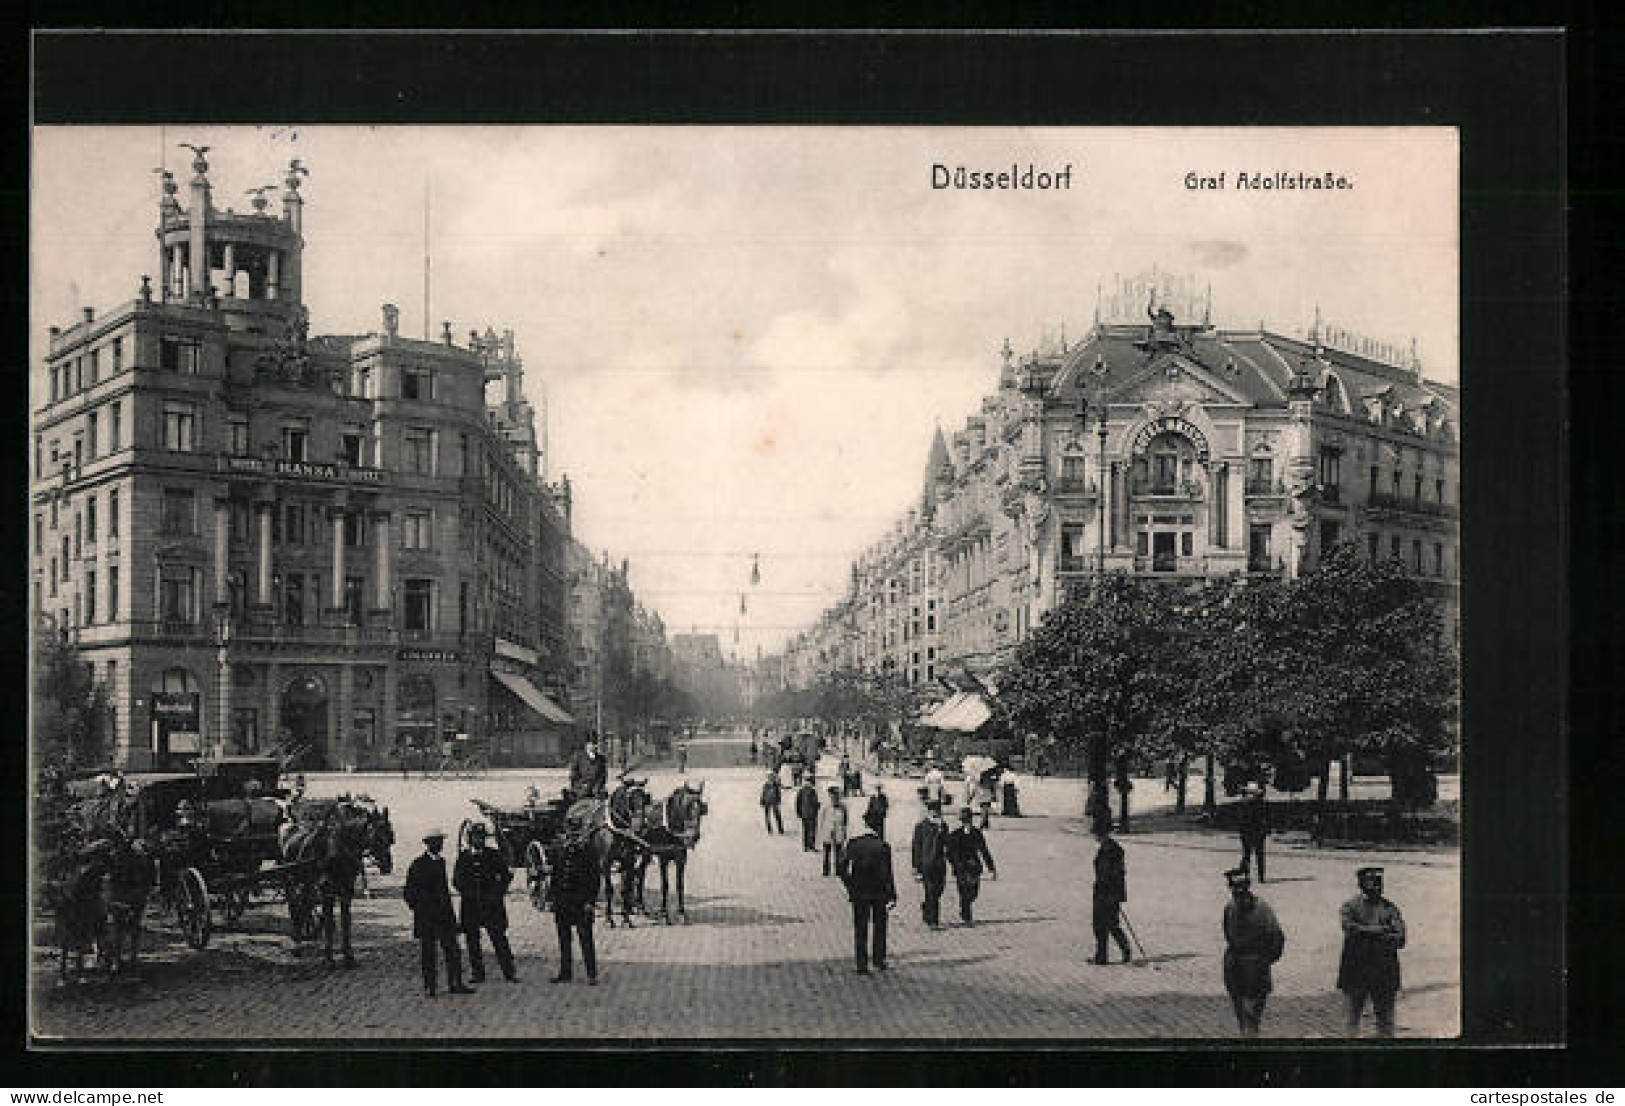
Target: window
(39, 455)
(293, 600)
(354, 589)
(1185, 543)
(78, 453)
(1438, 490)
(1393, 547)
(92, 431)
(1072, 468)
(79, 374)
(419, 605)
(1371, 551)
(176, 594)
(418, 530)
(39, 534)
(1418, 491)
(112, 593)
(90, 598)
(55, 383)
(53, 577)
(118, 356)
(78, 532)
(178, 514)
(179, 427)
(294, 441)
(112, 513)
(178, 355)
(1258, 547)
(350, 447)
(1398, 480)
(1373, 489)
(418, 452)
(417, 384)
(1331, 468)
(115, 429)
(355, 534)
(293, 524)
(1416, 555)
(95, 373)
(1260, 474)
(90, 520)
(237, 435)
(245, 729)
(1438, 559)
(241, 526)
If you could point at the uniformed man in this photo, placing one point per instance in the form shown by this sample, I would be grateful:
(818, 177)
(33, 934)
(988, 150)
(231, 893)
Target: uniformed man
(589, 772)
(967, 852)
(434, 922)
(1373, 934)
(1252, 943)
(482, 878)
(575, 888)
(1110, 893)
(807, 811)
(867, 872)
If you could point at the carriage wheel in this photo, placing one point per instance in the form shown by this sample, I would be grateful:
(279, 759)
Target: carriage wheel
(302, 911)
(192, 908)
(234, 904)
(538, 875)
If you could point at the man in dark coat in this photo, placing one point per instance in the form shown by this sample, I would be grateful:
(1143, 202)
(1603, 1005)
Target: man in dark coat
(434, 922)
(877, 809)
(967, 852)
(867, 872)
(1255, 828)
(575, 888)
(807, 811)
(1373, 934)
(772, 794)
(482, 878)
(1252, 943)
(589, 772)
(1110, 893)
(930, 857)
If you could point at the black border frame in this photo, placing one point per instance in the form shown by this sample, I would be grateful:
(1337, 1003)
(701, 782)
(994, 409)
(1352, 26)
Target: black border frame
(1505, 92)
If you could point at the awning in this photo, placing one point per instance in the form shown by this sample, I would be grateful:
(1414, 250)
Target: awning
(514, 651)
(934, 716)
(967, 715)
(533, 696)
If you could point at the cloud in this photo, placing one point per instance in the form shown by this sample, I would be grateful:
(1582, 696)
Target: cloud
(1218, 253)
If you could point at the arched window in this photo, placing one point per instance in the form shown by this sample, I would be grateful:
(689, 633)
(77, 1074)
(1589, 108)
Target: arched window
(1336, 396)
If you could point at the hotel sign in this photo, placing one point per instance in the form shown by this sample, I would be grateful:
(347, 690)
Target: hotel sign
(430, 656)
(301, 470)
(1170, 425)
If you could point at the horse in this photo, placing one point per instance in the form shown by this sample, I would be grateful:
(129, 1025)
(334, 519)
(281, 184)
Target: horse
(674, 829)
(614, 841)
(337, 835)
(101, 903)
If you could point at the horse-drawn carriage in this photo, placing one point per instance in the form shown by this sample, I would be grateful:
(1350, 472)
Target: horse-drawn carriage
(526, 834)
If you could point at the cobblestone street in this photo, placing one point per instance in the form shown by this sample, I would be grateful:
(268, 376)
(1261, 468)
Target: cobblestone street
(767, 951)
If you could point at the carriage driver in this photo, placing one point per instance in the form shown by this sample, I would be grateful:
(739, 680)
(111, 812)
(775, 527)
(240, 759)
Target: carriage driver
(482, 878)
(589, 772)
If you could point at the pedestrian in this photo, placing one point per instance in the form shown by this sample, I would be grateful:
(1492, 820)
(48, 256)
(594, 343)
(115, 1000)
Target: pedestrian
(575, 887)
(434, 922)
(482, 878)
(807, 811)
(1098, 807)
(967, 852)
(832, 830)
(682, 757)
(846, 775)
(589, 771)
(1110, 893)
(1373, 934)
(772, 794)
(797, 769)
(1252, 942)
(933, 782)
(1255, 828)
(930, 857)
(878, 807)
(984, 794)
(1012, 801)
(867, 872)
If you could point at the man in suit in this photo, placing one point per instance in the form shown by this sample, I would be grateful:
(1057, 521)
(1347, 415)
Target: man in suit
(482, 878)
(1110, 893)
(867, 872)
(1253, 941)
(772, 795)
(967, 852)
(930, 857)
(575, 888)
(879, 806)
(832, 830)
(1254, 824)
(434, 922)
(807, 811)
(589, 772)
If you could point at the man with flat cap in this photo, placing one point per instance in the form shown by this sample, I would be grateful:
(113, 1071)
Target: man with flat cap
(482, 878)
(866, 870)
(434, 922)
(967, 852)
(1373, 934)
(930, 857)
(1253, 941)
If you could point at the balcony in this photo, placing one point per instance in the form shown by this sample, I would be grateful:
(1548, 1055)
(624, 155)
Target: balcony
(1265, 487)
(1171, 566)
(1075, 486)
(1167, 489)
(1388, 501)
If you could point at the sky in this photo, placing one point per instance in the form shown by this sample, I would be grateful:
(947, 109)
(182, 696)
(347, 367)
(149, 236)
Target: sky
(744, 337)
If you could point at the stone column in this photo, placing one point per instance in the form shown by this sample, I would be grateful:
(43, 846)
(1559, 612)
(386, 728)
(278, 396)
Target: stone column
(271, 715)
(273, 282)
(337, 515)
(262, 584)
(1237, 492)
(222, 546)
(386, 705)
(383, 538)
(223, 734)
(343, 740)
(231, 269)
(166, 277)
(198, 221)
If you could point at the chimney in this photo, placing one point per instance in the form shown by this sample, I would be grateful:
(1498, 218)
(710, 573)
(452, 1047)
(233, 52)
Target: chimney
(90, 315)
(392, 320)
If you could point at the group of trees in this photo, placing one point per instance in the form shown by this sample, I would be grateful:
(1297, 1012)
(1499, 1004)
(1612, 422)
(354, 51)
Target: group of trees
(72, 714)
(846, 695)
(1277, 677)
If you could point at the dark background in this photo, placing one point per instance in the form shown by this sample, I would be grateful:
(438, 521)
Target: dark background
(1529, 920)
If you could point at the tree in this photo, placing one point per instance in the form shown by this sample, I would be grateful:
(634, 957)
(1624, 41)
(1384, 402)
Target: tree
(73, 716)
(1091, 674)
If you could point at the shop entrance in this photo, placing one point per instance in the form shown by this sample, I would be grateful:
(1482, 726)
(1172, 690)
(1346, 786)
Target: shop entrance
(305, 720)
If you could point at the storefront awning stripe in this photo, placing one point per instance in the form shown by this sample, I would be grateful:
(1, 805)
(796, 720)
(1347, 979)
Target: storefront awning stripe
(533, 697)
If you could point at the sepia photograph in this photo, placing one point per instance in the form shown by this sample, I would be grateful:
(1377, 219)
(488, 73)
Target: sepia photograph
(652, 584)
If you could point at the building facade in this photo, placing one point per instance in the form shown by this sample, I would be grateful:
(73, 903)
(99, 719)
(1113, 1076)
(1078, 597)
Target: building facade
(1161, 447)
(261, 539)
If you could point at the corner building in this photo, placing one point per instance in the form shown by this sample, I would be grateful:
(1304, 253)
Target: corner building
(260, 539)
